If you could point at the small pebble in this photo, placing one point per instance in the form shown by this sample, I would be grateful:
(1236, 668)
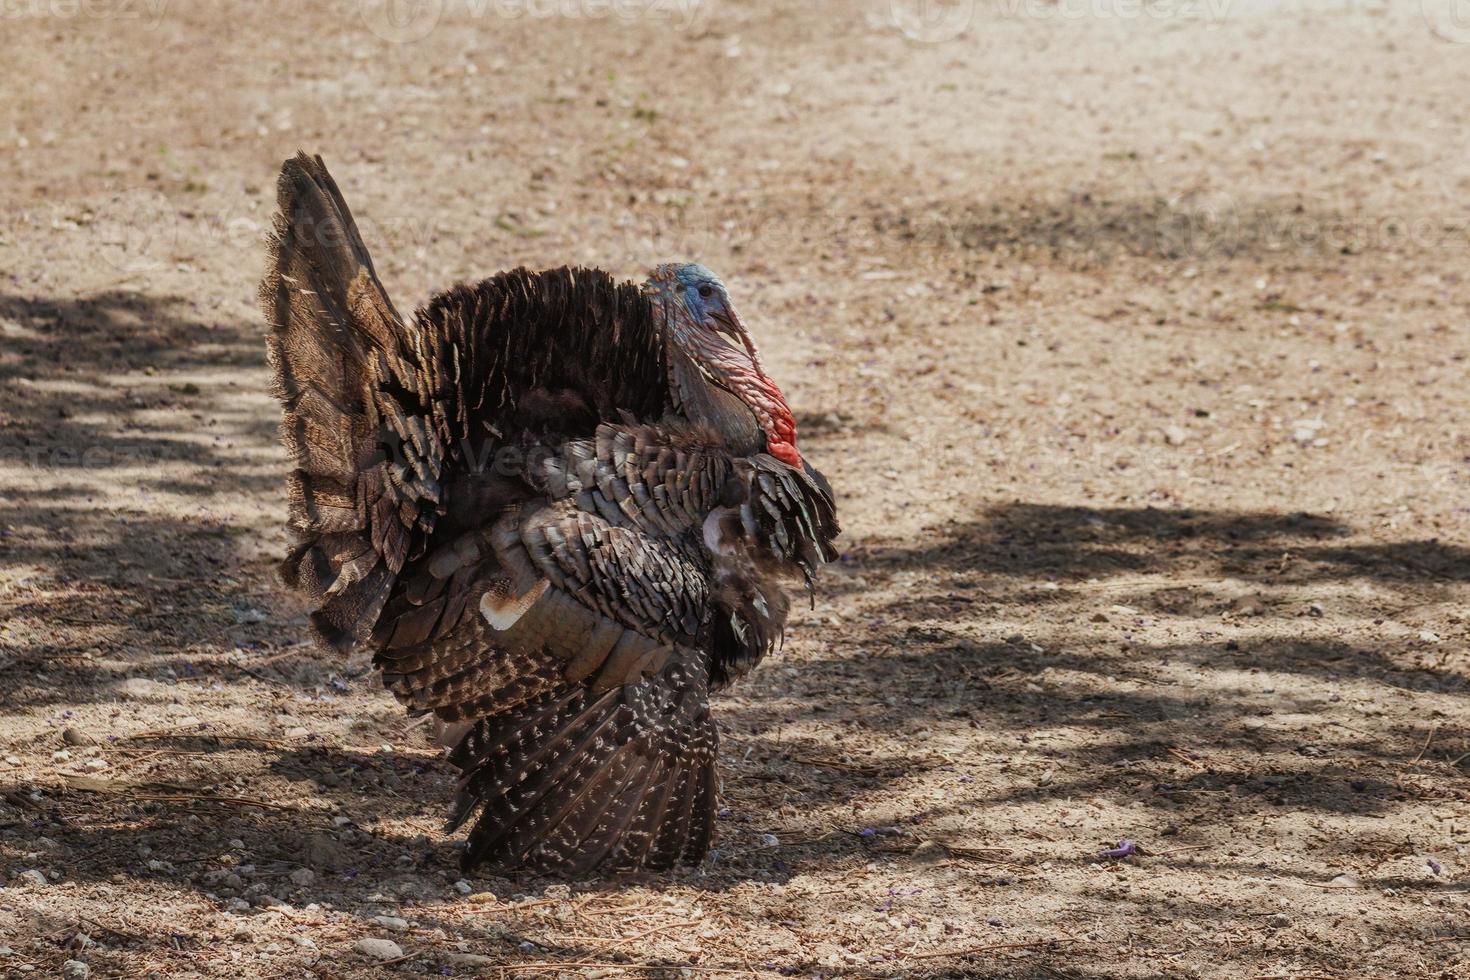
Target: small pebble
(1279, 921)
(75, 970)
(379, 949)
(136, 688)
(470, 959)
(302, 877)
(73, 736)
(463, 887)
(32, 877)
(391, 922)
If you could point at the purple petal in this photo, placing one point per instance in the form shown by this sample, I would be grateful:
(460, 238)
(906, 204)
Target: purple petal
(1125, 848)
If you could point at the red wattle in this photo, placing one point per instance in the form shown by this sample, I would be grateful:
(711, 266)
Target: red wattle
(786, 453)
(780, 424)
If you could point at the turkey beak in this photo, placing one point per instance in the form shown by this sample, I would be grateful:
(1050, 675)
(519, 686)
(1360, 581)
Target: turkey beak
(728, 322)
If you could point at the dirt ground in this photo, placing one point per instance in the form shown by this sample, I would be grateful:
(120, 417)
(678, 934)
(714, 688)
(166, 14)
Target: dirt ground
(1133, 339)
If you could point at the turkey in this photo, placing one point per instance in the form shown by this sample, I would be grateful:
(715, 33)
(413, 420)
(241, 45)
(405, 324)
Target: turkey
(557, 509)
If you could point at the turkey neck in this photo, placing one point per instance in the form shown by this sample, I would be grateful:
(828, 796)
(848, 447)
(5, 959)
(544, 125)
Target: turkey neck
(745, 409)
(728, 417)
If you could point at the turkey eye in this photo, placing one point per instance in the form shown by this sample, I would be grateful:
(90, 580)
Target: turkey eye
(706, 291)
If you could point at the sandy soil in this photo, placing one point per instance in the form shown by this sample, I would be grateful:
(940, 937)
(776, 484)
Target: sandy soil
(1134, 343)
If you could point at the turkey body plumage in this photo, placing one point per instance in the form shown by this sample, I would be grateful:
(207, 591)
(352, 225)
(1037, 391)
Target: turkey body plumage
(557, 509)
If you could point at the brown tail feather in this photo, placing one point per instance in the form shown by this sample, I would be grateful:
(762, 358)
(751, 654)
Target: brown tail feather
(582, 781)
(333, 335)
(616, 832)
(672, 838)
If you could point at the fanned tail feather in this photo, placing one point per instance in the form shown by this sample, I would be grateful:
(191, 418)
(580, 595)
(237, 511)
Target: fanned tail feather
(334, 336)
(581, 781)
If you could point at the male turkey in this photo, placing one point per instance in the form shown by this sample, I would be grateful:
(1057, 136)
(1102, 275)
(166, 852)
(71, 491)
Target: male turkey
(557, 509)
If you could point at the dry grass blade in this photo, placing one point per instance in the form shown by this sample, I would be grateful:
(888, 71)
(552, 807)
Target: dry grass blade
(212, 736)
(514, 968)
(163, 793)
(995, 948)
(127, 936)
(1428, 739)
(1188, 759)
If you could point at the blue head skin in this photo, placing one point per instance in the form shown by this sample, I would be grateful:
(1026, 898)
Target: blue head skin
(704, 294)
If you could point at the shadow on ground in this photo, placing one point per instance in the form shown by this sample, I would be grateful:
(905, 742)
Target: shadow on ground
(164, 598)
(1088, 226)
(124, 417)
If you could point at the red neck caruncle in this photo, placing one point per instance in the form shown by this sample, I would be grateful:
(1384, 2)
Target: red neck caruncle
(771, 411)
